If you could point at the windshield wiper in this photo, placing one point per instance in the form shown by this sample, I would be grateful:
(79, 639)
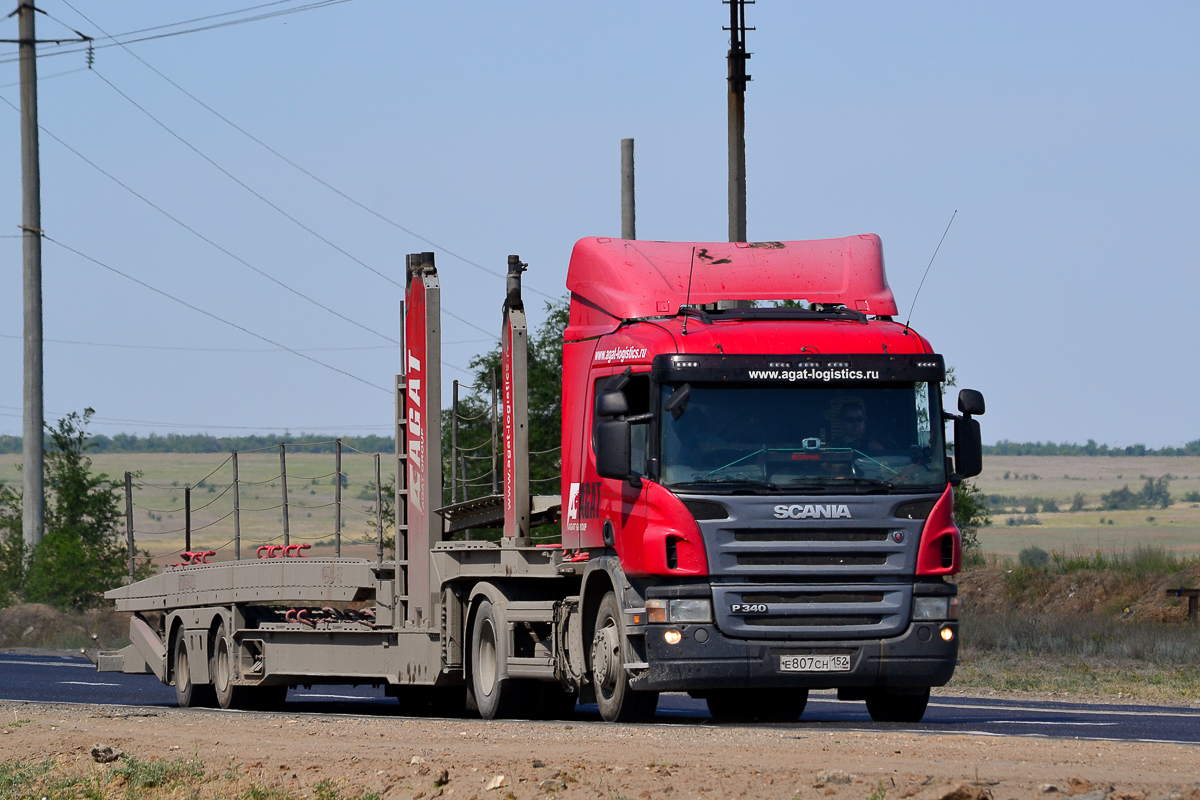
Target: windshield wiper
(867, 482)
(729, 482)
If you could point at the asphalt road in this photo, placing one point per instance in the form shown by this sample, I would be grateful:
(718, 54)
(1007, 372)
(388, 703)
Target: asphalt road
(72, 679)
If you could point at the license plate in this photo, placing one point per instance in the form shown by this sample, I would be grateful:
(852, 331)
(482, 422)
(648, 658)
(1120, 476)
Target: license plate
(814, 663)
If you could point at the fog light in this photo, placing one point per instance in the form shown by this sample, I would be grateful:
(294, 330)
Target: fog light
(672, 636)
(947, 634)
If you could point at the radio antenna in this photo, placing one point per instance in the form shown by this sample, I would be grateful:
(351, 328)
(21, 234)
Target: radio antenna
(688, 300)
(923, 277)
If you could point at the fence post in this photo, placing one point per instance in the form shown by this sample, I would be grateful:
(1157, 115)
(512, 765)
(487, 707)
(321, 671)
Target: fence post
(378, 512)
(129, 523)
(187, 518)
(337, 499)
(454, 446)
(237, 512)
(287, 538)
(495, 424)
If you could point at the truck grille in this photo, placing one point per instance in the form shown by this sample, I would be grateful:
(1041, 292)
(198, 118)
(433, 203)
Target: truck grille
(819, 612)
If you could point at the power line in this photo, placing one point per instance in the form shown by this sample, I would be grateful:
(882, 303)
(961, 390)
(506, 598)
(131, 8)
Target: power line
(242, 183)
(202, 237)
(301, 168)
(215, 26)
(200, 426)
(209, 349)
(213, 316)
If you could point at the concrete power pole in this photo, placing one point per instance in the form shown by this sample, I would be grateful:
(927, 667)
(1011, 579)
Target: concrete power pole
(34, 499)
(737, 118)
(628, 212)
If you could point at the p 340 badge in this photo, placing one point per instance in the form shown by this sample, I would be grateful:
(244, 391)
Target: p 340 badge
(748, 608)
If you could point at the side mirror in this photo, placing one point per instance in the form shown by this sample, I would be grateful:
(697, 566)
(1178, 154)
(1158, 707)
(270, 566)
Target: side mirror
(677, 403)
(611, 404)
(968, 447)
(970, 402)
(613, 451)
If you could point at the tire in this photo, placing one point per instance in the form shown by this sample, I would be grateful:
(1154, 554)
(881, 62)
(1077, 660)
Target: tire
(188, 694)
(496, 696)
(763, 705)
(617, 701)
(220, 670)
(892, 706)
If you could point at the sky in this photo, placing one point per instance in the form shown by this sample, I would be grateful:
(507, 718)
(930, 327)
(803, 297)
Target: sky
(1063, 135)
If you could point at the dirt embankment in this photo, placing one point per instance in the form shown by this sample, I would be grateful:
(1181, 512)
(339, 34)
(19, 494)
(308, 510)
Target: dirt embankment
(292, 755)
(1101, 593)
(35, 625)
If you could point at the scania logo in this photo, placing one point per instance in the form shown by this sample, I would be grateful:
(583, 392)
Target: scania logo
(811, 511)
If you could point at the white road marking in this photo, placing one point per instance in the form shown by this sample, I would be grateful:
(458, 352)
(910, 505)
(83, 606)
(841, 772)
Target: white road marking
(87, 665)
(336, 696)
(88, 683)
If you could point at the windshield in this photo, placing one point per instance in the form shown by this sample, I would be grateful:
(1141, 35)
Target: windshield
(796, 437)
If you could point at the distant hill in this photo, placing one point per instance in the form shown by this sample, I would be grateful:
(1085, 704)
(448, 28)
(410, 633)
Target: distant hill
(201, 443)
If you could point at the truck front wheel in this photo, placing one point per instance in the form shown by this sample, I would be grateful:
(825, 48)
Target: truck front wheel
(617, 701)
(886, 705)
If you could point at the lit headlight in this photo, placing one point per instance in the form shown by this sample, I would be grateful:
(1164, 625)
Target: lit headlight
(935, 608)
(691, 610)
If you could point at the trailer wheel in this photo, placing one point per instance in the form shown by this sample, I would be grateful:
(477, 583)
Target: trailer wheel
(495, 695)
(220, 669)
(897, 706)
(617, 701)
(764, 705)
(188, 694)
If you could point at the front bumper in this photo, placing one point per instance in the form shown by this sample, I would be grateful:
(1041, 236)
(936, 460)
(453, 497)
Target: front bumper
(707, 659)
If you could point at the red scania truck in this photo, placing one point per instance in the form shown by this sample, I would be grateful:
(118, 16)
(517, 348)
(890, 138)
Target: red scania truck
(756, 501)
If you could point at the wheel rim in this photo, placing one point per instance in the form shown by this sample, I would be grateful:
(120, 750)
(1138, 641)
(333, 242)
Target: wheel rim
(183, 678)
(487, 658)
(223, 674)
(604, 653)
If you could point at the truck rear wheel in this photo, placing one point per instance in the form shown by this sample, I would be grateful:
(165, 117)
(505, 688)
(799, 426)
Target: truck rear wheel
(495, 695)
(897, 706)
(764, 705)
(617, 701)
(220, 669)
(188, 694)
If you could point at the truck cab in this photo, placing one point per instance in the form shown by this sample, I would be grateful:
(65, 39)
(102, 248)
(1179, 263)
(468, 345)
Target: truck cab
(755, 464)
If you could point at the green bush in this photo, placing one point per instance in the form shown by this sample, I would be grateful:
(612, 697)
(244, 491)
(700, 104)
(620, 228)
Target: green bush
(970, 514)
(81, 553)
(1034, 558)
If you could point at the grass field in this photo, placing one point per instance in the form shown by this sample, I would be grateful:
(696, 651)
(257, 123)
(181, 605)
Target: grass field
(159, 499)
(159, 516)
(1062, 477)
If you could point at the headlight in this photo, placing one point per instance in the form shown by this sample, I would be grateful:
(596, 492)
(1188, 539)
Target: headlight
(691, 610)
(935, 608)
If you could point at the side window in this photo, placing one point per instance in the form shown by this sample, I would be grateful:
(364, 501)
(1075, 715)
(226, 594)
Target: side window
(637, 395)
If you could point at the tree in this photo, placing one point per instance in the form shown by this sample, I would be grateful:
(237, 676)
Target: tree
(970, 514)
(544, 363)
(81, 554)
(12, 547)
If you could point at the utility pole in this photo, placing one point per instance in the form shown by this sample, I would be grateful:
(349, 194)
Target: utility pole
(628, 212)
(737, 118)
(34, 498)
